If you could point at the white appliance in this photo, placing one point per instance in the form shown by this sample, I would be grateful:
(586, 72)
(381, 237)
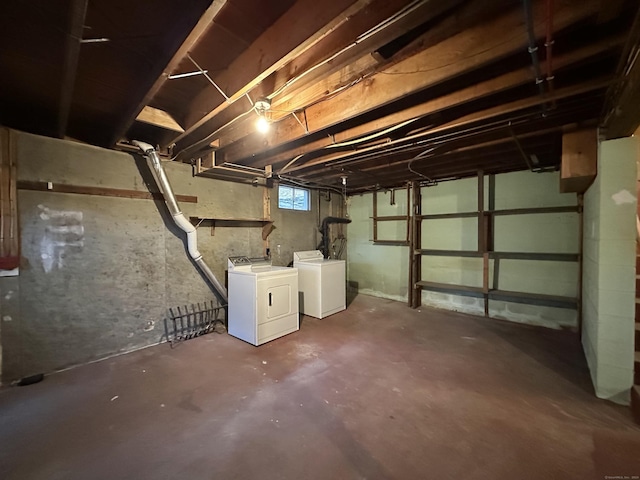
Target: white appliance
(263, 300)
(322, 284)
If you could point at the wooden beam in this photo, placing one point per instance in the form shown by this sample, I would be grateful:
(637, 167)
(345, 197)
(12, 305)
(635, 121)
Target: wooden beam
(415, 245)
(77, 14)
(9, 231)
(272, 50)
(340, 48)
(98, 191)
(467, 120)
(159, 118)
(624, 118)
(462, 53)
(609, 9)
(475, 92)
(192, 39)
(351, 43)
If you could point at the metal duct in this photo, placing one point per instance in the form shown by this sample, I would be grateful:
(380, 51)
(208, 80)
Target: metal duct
(178, 217)
(324, 244)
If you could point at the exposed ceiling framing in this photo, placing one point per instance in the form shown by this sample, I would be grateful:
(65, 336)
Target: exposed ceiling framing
(382, 91)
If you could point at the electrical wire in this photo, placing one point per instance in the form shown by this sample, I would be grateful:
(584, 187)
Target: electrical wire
(306, 184)
(334, 93)
(354, 142)
(417, 157)
(369, 33)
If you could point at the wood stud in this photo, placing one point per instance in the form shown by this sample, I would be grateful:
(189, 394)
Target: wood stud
(485, 230)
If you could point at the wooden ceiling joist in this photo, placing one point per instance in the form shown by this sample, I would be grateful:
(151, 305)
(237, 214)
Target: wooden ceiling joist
(270, 52)
(480, 90)
(340, 47)
(77, 15)
(192, 39)
(462, 53)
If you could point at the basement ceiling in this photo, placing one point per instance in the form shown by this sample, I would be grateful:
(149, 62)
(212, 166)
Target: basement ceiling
(380, 91)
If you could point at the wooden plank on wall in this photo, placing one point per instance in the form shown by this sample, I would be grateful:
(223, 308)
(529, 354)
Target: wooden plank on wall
(9, 233)
(99, 191)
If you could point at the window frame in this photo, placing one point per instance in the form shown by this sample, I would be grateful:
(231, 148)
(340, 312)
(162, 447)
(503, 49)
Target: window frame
(293, 189)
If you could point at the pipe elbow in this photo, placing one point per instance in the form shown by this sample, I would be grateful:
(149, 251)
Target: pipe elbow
(143, 146)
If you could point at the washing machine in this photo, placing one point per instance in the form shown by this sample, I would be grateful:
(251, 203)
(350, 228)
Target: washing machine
(263, 300)
(322, 284)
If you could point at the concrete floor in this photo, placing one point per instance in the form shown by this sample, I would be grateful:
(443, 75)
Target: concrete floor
(377, 392)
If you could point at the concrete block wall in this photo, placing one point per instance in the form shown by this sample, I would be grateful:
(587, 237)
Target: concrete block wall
(383, 270)
(98, 274)
(378, 270)
(609, 269)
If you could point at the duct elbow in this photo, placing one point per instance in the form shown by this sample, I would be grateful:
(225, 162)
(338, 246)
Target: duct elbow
(185, 225)
(143, 146)
(192, 245)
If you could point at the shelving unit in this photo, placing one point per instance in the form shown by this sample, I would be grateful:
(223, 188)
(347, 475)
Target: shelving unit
(486, 235)
(391, 218)
(267, 225)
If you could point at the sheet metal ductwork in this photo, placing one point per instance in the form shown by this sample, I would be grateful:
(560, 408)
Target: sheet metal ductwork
(178, 217)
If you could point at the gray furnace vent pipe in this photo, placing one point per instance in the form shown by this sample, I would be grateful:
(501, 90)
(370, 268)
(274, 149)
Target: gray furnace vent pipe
(179, 218)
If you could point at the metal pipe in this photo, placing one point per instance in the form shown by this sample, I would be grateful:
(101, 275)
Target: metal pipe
(324, 245)
(178, 217)
(549, 45)
(533, 48)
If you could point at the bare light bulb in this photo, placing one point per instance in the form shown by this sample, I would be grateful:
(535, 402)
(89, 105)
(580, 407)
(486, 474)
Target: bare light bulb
(262, 124)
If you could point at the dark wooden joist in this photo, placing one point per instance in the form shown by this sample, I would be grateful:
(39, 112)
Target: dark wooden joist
(462, 53)
(456, 152)
(475, 92)
(362, 51)
(342, 46)
(172, 40)
(395, 168)
(271, 51)
(623, 117)
(358, 61)
(469, 120)
(77, 14)
(192, 39)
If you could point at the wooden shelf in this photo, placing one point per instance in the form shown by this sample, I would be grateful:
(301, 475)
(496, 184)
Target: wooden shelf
(535, 210)
(553, 257)
(229, 222)
(391, 218)
(450, 253)
(451, 288)
(534, 299)
(502, 295)
(267, 225)
(400, 243)
(435, 216)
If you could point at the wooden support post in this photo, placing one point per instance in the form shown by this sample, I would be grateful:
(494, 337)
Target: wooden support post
(412, 257)
(481, 236)
(482, 242)
(416, 235)
(580, 262)
(408, 238)
(375, 215)
(266, 214)
(490, 230)
(9, 233)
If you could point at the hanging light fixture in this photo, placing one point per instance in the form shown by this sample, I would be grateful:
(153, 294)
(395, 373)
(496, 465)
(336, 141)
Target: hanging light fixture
(262, 106)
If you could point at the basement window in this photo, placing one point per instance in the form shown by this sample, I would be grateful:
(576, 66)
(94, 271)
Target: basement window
(294, 198)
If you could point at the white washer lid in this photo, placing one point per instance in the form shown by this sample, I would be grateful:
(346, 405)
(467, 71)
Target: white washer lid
(308, 255)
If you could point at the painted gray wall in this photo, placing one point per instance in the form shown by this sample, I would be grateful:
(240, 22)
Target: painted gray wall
(383, 270)
(98, 274)
(609, 269)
